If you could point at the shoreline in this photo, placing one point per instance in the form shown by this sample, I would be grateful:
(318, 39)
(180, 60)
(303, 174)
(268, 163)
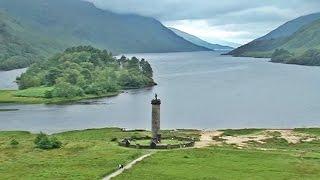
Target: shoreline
(8, 97)
(177, 129)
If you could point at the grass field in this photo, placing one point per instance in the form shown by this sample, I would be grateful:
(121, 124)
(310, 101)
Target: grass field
(276, 159)
(311, 131)
(36, 96)
(237, 132)
(225, 163)
(87, 154)
(38, 92)
(92, 154)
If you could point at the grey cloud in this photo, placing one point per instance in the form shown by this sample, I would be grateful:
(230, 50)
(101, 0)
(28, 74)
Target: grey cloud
(169, 10)
(232, 15)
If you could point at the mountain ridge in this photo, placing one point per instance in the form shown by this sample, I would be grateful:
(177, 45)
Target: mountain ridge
(54, 25)
(278, 38)
(198, 41)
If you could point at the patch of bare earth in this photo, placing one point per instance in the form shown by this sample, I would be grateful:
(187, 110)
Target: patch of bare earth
(210, 138)
(206, 139)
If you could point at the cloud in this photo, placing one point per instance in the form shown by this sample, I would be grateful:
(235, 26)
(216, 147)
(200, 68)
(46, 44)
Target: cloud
(228, 19)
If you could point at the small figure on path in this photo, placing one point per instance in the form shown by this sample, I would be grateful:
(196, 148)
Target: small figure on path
(120, 166)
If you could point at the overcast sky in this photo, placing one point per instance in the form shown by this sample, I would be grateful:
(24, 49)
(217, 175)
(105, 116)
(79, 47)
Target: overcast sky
(237, 21)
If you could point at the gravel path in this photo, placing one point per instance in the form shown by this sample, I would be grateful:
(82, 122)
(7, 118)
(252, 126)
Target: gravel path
(128, 166)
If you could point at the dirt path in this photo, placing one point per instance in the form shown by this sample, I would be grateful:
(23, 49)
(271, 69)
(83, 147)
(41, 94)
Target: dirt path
(128, 166)
(206, 139)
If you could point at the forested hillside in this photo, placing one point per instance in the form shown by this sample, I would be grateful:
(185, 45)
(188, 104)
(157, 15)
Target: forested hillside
(294, 36)
(15, 50)
(48, 26)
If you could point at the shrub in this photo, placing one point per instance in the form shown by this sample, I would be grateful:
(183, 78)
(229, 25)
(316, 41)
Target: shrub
(281, 55)
(42, 141)
(14, 142)
(64, 89)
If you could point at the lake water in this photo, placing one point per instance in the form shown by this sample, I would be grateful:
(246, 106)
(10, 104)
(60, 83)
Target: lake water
(198, 90)
(7, 78)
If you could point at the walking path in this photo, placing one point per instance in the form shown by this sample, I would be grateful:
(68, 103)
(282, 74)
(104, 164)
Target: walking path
(128, 166)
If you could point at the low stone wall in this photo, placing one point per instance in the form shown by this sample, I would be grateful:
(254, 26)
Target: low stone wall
(168, 146)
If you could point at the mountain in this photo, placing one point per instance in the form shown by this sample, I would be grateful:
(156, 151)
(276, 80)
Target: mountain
(17, 47)
(303, 47)
(289, 36)
(198, 41)
(50, 26)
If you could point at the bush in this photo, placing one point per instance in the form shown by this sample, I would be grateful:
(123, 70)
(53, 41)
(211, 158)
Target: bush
(114, 139)
(42, 141)
(14, 142)
(281, 56)
(64, 89)
(309, 58)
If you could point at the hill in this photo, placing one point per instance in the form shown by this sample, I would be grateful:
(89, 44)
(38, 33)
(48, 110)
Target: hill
(52, 25)
(16, 49)
(200, 42)
(289, 36)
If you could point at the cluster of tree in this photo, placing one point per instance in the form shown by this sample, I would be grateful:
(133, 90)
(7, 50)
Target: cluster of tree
(43, 141)
(309, 58)
(86, 70)
(281, 56)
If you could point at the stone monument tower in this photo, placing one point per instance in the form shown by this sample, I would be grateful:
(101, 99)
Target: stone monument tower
(156, 136)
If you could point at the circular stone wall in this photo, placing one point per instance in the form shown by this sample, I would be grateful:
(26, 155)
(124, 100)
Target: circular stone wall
(145, 143)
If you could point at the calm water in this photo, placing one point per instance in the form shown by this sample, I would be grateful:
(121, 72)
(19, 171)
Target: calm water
(7, 78)
(198, 90)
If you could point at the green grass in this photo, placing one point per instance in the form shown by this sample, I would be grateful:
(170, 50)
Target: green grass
(310, 131)
(27, 97)
(94, 153)
(237, 132)
(225, 163)
(37, 92)
(87, 154)
(191, 133)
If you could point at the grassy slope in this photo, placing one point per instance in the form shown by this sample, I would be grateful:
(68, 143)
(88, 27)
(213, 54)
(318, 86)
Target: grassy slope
(306, 38)
(21, 45)
(87, 154)
(282, 161)
(91, 154)
(225, 163)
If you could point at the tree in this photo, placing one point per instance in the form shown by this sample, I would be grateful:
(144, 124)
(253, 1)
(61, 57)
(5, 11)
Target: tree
(281, 55)
(146, 68)
(64, 89)
(133, 63)
(52, 75)
(85, 70)
(43, 141)
(27, 81)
